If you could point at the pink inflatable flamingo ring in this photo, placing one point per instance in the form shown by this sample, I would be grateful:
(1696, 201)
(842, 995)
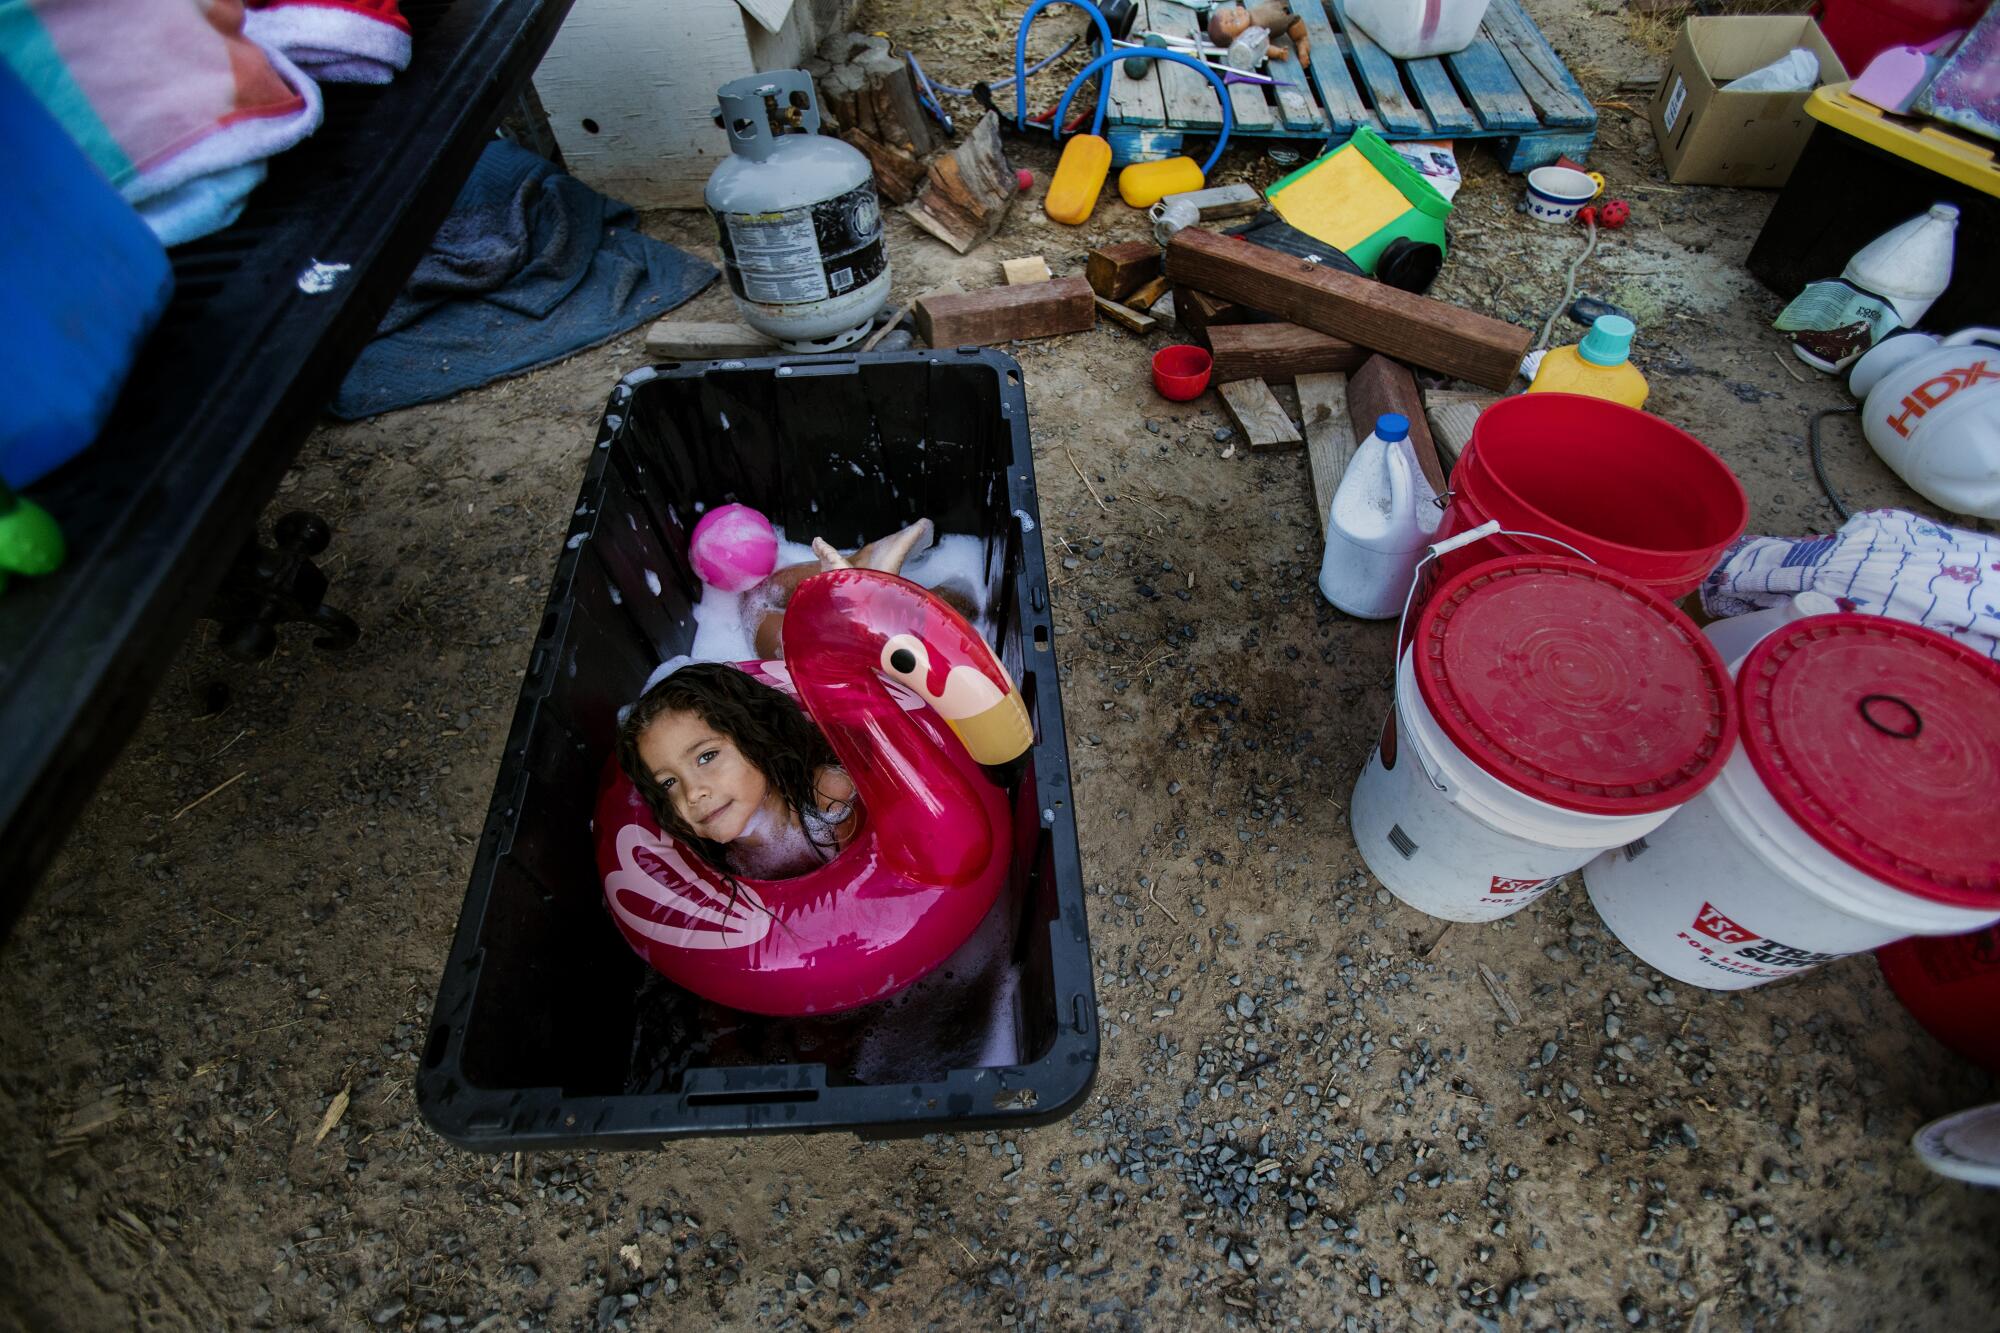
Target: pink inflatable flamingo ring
(913, 701)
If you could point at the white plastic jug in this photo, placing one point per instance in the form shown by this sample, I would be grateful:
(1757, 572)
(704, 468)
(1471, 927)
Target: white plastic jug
(1737, 635)
(1909, 265)
(1382, 516)
(1413, 29)
(1932, 412)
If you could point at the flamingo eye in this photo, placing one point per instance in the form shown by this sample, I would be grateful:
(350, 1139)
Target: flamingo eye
(903, 661)
(905, 658)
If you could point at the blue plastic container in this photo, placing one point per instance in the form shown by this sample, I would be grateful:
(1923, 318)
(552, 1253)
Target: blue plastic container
(82, 281)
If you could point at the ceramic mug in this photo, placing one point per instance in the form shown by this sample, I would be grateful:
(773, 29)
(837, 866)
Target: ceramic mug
(1555, 193)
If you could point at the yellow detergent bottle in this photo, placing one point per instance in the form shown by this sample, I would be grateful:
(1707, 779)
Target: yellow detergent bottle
(1078, 179)
(1601, 365)
(1144, 184)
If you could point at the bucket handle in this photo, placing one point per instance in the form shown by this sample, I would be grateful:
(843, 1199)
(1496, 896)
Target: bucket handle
(1490, 528)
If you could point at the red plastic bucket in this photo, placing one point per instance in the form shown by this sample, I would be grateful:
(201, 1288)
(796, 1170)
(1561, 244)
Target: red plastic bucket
(1951, 985)
(1627, 489)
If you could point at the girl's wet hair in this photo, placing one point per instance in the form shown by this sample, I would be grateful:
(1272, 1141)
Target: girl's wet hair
(770, 730)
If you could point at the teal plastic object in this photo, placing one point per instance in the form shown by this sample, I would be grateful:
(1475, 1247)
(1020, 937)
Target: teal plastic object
(1609, 342)
(82, 281)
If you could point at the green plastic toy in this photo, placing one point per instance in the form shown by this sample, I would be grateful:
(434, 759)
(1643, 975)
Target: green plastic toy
(30, 541)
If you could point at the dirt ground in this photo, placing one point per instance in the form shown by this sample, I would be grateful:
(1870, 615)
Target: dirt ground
(250, 921)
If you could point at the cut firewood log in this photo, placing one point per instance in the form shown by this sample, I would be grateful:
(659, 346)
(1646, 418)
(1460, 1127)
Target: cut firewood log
(966, 197)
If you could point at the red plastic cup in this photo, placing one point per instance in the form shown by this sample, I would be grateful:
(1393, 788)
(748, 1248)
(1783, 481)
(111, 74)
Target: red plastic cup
(1181, 372)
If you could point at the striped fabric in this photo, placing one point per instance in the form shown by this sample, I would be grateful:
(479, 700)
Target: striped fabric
(1885, 562)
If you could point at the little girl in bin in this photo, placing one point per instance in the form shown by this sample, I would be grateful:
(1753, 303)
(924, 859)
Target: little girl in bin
(736, 769)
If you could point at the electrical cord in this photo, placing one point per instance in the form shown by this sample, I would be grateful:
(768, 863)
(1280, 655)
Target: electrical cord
(1819, 463)
(1569, 286)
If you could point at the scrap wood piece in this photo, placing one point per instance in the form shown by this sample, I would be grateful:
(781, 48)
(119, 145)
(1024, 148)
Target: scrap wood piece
(705, 340)
(1452, 413)
(1033, 268)
(335, 1109)
(1259, 415)
(1136, 320)
(1330, 443)
(1116, 271)
(1278, 352)
(999, 314)
(966, 198)
(1197, 312)
(1500, 996)
(898, 172)
(1217, 203)
(1430, 333)
(1143, 298)
(1382, 385)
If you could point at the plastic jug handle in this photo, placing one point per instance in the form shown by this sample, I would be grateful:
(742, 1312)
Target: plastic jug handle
(1401, 489)
(1976, 334)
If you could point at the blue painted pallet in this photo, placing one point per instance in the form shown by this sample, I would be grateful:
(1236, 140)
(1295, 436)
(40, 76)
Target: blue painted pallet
(1509, 86)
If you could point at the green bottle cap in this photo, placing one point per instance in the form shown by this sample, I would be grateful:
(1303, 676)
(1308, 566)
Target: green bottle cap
(1609, 341)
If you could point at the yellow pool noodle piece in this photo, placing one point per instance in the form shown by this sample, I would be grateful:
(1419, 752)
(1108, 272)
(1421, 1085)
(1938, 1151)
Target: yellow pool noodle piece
(1144, 184)
(1073, 190)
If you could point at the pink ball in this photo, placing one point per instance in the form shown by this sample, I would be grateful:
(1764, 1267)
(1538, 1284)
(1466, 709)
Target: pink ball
(733, 547)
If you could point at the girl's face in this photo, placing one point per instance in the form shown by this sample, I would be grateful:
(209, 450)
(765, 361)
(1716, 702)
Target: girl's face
(707, 779)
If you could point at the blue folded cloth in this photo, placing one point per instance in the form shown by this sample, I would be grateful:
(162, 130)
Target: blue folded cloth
(531, 266)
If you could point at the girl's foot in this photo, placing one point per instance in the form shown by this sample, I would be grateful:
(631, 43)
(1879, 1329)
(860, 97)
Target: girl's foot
(890, 552)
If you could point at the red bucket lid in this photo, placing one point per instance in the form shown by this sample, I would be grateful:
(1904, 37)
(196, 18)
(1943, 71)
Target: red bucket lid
(1882, 739)
(1575, 684)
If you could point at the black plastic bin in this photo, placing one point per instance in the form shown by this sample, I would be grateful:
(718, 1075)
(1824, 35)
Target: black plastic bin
(549, 1031)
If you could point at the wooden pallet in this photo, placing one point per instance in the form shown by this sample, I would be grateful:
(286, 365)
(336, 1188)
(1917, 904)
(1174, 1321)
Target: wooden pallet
(1509, 86)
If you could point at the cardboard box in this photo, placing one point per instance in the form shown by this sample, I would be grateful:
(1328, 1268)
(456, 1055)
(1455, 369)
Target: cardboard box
(1710, 137)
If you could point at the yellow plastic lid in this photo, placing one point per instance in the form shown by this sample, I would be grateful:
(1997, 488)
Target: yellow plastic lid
(1924, 143)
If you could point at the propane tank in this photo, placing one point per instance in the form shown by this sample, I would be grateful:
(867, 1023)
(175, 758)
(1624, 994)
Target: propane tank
(796, 216)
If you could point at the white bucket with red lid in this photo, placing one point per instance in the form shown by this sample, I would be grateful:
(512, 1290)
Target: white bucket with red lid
(1857, 810)
(1546, 709)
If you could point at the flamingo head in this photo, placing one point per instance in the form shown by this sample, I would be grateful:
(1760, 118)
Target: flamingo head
(917, 640)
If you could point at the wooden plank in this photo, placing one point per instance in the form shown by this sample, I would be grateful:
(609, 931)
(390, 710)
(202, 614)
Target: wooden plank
(1116, 271)
(701, 340)
(1440, 97)
(1143, 297)
(1136, 320)
(1496, 94)
(1417, 329)
(1198, 313)
(1298, 109)
(1219, 203)
(1452, 413)
(1034, 268)
(1540, 150)
(1381, 386)
(1259, 415)
(1378, 69)
(1136, 101)
(998, 314)
(1191, 103)
(1345, 110)
(1548, 84)
(1278, 352)
(1330, 439)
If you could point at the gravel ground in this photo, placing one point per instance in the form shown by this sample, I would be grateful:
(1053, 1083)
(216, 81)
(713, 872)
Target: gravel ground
(1316, 1108)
